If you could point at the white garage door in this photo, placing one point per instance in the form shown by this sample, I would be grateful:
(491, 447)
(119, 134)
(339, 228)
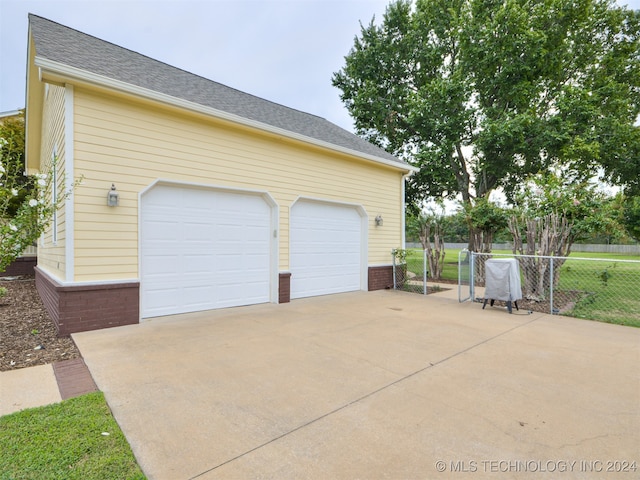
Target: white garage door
(202, 249)
(326, 249)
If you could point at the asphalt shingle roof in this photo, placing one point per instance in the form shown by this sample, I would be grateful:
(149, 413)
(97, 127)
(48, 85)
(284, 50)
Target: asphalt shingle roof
(64, 45)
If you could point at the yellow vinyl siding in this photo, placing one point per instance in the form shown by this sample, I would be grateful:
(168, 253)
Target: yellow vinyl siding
(51, 256)
(131, 144)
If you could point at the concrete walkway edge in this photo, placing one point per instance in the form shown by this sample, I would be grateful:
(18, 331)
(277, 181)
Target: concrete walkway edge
(43, 385)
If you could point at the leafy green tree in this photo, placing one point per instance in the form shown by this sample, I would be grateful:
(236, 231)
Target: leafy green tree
(480, 94)
(12, 161)
(586, 209)
(631, 216)
(455, 228)
(611, 229)
(25, 205)
(552, 213)
(486, 219)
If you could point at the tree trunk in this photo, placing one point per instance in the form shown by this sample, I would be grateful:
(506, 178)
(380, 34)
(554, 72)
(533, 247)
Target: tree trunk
(549, 236)
(480, 241)
(435, 252)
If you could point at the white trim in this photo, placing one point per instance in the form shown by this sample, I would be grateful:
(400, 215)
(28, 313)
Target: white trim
(69, 211)
(97, 283)
(361, 209)
(63, 283)
(10, 113)
(57, 70)
(274, 274)
(364, 233)
(207, 186)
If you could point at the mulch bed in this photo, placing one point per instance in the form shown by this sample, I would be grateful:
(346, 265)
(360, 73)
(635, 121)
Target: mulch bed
(562, 303)
(28, 336)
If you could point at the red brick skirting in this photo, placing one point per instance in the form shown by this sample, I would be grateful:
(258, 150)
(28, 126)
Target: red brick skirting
(79, 308)
(380, 277)
(284, 287)
(20, 266)
(74, 378)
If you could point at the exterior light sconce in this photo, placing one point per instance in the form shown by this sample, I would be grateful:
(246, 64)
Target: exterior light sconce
(379, 221)
(113, 197)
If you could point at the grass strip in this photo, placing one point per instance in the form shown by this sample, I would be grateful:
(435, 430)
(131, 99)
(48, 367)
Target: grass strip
(74, 439)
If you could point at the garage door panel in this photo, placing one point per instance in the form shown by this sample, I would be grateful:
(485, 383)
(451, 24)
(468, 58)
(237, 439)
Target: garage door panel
(254, 232)
(197, 264)
(157, 229)
(326, 248)
(161, 265)
(198, 232)
(196, 246)
(197, 295)
(229, 269)
(162, 299)
(255, 260)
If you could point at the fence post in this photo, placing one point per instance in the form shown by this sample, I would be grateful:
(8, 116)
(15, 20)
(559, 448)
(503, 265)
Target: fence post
(424, 272)
(393, 257)
(551, 286)
(460, 276)
(472, 274)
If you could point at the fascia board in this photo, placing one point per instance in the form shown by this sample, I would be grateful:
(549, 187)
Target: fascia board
(60, 72)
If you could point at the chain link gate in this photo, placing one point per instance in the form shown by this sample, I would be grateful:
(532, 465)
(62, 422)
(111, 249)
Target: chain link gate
(465, 275)
(410, 271)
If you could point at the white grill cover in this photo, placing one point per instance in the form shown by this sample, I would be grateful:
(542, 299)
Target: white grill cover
(502, 279)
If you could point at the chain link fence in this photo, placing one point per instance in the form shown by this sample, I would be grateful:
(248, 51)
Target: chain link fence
(597, 289)
(410, 271)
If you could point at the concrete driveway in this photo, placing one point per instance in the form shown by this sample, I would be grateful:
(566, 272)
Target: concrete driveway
(373, 385)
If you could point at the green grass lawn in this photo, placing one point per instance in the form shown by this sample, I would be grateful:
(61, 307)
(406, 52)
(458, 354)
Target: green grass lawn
(605, 290)
(450, 269)
(66, 440)
(609, 289)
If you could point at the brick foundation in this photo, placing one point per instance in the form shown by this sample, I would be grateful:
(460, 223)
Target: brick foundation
(20, 266)
(80, 308)
(284, 287)
(380, 277)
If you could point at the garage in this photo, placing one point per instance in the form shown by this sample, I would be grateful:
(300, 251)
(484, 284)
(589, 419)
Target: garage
(203, 248)
(327, 248)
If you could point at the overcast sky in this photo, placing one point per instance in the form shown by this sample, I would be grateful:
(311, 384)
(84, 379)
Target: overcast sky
(282, 50)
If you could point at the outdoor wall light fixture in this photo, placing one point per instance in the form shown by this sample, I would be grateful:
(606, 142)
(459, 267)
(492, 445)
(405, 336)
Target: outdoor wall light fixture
(379, 221)
(113, 197)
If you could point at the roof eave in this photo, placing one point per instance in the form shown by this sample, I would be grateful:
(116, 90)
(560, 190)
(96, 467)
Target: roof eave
(60, 72)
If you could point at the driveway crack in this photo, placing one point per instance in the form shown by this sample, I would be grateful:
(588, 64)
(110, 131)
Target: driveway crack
(363, 397)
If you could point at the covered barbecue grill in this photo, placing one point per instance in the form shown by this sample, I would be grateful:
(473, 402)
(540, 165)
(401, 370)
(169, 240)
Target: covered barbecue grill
(502, 282)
